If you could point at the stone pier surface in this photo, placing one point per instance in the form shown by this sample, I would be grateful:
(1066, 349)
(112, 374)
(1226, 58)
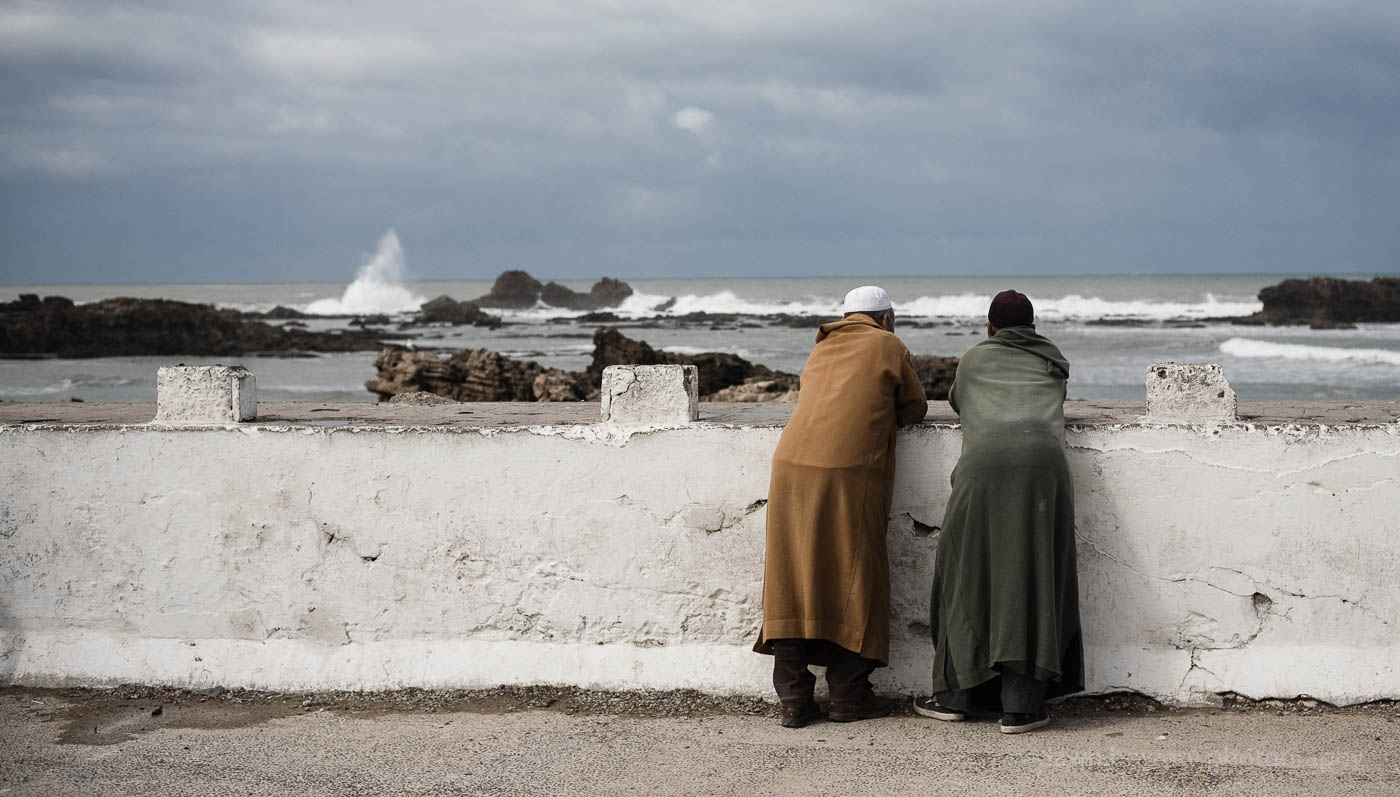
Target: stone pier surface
(470, 545)
(205, 394)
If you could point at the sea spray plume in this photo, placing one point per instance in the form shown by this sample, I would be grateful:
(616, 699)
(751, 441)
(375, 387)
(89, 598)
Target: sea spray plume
(378, 287)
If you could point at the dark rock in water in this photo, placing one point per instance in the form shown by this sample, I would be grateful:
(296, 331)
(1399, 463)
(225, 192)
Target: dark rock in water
(936, 374)
(1118, 322)
(131, 327)
(802, 321)
(609, 292)
(556, 295)
(446, 310)
(1328, 302)
(279, 313)
(666, 305)
(597, 318)
(517, 290)
(369, 321)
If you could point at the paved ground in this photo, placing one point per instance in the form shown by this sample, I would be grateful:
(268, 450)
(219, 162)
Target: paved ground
(58, 743)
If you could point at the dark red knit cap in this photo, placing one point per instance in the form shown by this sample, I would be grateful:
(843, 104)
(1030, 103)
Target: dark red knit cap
(1011, 309)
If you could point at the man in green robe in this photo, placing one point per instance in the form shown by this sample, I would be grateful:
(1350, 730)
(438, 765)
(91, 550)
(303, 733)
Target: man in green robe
(1005, 603)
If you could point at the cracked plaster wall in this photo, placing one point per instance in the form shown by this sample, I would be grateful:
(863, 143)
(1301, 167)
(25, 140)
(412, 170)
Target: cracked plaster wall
(1260, 561)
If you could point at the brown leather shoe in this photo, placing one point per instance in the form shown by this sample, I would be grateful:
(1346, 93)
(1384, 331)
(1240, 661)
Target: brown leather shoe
(797, 715)
(867, 708)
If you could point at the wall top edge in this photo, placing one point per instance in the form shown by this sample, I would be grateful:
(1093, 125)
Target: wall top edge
(581, 417)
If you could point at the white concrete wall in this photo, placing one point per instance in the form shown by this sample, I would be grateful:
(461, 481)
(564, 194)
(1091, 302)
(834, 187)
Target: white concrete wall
(1243, 559)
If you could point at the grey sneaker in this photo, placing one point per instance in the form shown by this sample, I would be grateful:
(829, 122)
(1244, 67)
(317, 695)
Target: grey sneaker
(1023, 723)
(928, 707)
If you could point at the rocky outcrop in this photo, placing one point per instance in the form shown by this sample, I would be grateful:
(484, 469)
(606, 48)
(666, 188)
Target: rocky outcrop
(513, 290)
(517, 290)
(758, 389)
(278, 313)
(556, 385)
(936, 374)
(718, 370)
(132, 327)
(468, 375)
(609, 292)
(484, 375)
(1328, 302)
(446, 310)
(480, 374)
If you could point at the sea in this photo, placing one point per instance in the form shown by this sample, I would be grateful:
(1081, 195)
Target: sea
(1110, 327)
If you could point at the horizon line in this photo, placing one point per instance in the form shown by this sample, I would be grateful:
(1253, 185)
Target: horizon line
(747, 277)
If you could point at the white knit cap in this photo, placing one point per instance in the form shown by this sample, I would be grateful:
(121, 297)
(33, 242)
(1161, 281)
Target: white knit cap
(866, 299)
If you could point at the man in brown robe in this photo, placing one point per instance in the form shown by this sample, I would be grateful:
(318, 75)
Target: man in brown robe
(826, 580)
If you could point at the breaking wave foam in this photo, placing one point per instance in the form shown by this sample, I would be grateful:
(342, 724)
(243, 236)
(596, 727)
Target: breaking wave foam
(378, 287)
(955, 306)
(1079, 308)
(1246, 347)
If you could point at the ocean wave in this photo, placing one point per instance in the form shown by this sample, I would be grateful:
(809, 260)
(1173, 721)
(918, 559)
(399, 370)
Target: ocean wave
(1091, 307)
(1080, 308)
(691, 351)
(70, 384)
(646, 305)
(962, 306)
(378, 287)
(38, 390)
(1249, 348)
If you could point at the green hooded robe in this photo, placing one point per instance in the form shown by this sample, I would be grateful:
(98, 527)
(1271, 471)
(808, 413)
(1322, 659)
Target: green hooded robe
(1005, 586)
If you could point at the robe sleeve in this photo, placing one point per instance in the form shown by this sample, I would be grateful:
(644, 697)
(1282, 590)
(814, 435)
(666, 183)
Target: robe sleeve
(953, 388)
(911, 405)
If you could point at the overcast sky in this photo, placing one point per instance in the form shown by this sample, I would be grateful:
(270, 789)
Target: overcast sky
(235, 141)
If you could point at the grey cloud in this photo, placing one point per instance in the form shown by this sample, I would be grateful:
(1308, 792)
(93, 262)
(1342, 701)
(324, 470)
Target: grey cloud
(271, 139)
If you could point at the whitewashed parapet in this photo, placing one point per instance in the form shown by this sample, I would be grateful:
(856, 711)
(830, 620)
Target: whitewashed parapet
(206, 394)
(1257, 561)
(651, 395)
(1190, 393)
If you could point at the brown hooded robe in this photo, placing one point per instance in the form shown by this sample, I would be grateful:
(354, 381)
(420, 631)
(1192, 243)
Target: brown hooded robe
(826, 574)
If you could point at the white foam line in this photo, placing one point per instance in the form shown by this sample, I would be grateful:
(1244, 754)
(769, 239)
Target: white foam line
(1249, 348)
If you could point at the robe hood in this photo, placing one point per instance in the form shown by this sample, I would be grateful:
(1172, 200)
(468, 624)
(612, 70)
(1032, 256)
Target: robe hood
(1028, 340)
(859, 319)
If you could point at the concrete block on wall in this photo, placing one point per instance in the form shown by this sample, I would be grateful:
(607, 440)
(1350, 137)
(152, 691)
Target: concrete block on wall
(205, 394)
(651, 395)
(1189, 393)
